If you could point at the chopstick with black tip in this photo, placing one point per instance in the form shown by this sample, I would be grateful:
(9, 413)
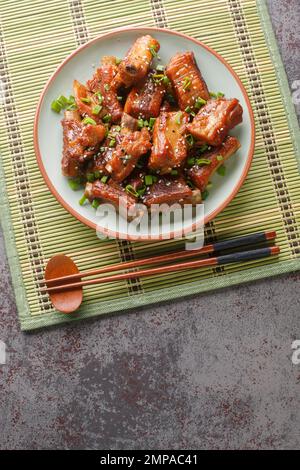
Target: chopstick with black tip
(241, 256)
(237, 242)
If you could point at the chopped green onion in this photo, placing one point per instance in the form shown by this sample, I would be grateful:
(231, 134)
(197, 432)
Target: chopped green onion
(106, 118)
(203, 148)
(56, 106)
(99, 96)
(191, 161)
(140, 123)
(220, 94)
(199, 102)
(117, 128)
(90, 177)
(158, 76)
(82, 200)
(213, 94)
(151, 122)
(148, 180)
(153, 51)
(71, 107)
(219, 158)
(166, 81)
(178, 118)
(119, 98)
(146, 123)
(203, 161)
(160, 68)
(86, 100)
(209, 185)
(74, 184)
(170, 98)
(118, 60)
(88, 120)
(221, 170)
(71, 99)
(141, 191)
(95, 204)
(97, 174)
(205, 194)
(96, 109)
(186, 83)
(188, 109)
(174, 172)
(102, 149)
(112, 143)
(190, 183)
(130, 190)
(190, 139)
(63, 101)
(106, 87)
(104, 179)
(154, 178)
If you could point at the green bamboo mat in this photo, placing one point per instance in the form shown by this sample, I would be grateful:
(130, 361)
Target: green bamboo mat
(35, 36)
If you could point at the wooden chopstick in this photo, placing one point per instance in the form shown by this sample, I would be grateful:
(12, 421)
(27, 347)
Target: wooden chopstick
(207, 249)
(218, 260)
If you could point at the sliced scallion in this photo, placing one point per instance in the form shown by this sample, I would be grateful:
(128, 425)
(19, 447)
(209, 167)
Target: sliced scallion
(96, 109)
(88, 120)
(104, 179)
(106, 118)
(56, 106)
(199, 102)
(221, 170)
(82, 200)
(148, 180)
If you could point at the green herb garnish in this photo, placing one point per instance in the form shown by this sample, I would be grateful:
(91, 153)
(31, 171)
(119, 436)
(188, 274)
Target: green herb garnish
(74, 184)
(99, 96)
(82, 200)
(130, 190)
(220, 158)
(106, 87)
(199, 102)
(151, 122)
(85, 100)
(203, 161)
(112, 143)
(56, 106)
(153, 51)
(90, 177)
(148, 180)
(174, 173)
(96, 109)
(104, 179)
(106, 118)
(186, 83)
(190, 140)
(205, 194)
(118, 60)
(95, 204)
(88, 120)
(178, 118)
(221, 170)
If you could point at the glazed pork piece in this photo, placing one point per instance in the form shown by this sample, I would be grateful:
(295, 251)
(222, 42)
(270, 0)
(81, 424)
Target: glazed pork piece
(136, 64)
(112, 193)
(214, 120)
(85, 101)
(102, 84)
(144, 100)
(168, 190)
(169, 144)
(201, 173)
(80, 143)
(187, 80)
(127, 153)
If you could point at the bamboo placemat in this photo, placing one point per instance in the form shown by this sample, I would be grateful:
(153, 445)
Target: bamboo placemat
(35, 36)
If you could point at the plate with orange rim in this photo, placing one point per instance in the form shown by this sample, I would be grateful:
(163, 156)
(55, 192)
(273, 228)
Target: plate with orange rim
(219, 76)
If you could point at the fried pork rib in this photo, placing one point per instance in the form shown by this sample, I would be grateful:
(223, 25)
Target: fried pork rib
(127, 153)
(103, 85)
(112, 192)
(168, 190)
(201, 173)
(214, 120)
(145, 99)
(138, 59)
(80, 142)
(187, 80)
(169, 145)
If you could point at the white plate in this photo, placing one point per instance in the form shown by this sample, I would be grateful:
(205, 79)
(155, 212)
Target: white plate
(81, 65)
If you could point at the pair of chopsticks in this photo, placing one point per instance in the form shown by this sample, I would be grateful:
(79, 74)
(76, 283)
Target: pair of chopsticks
(64, 282)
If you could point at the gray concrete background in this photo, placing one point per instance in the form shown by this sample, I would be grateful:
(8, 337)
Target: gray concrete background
(213, 371)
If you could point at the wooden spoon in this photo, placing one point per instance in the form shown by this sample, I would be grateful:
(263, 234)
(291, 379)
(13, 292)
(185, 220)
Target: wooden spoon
(69, 300)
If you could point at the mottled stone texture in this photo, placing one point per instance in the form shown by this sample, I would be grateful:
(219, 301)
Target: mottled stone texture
(213, 371)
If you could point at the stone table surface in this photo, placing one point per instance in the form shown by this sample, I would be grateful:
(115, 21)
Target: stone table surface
(212, 371)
